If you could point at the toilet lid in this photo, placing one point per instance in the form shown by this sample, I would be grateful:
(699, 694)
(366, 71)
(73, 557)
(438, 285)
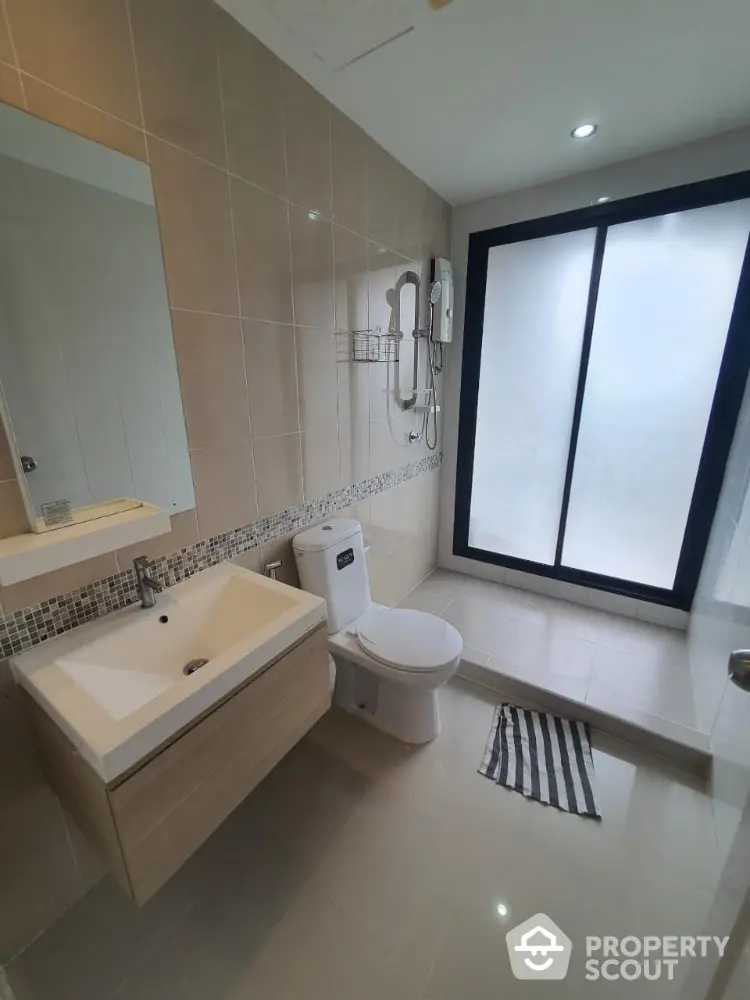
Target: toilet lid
(408, 640)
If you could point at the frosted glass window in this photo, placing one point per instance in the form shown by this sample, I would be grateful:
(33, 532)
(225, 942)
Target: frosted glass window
(535, 308)
(666, 297)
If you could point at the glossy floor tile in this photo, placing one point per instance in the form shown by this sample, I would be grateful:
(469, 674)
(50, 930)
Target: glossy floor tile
(615, 664)
(362, 868)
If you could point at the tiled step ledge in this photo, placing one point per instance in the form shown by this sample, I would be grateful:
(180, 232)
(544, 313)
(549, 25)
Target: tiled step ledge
(680, 746)
(588, 597)
(39, 622)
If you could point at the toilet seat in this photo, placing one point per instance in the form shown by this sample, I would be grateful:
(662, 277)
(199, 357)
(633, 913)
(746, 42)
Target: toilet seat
(412, 641)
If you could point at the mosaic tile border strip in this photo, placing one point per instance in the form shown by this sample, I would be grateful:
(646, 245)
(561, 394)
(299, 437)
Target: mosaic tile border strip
(39, 622)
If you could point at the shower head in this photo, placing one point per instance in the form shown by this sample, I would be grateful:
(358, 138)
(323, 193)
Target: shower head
(436, 289)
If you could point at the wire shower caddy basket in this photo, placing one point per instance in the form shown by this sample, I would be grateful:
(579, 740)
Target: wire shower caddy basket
(368, 346)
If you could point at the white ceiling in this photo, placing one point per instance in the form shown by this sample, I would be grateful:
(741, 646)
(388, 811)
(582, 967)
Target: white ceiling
(479, 98)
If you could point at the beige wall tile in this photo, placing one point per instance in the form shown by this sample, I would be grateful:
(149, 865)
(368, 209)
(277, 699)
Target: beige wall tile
(312, 269)
(224, 488)
(353, 384)
(381, 278)
(39, 878)
(354, 453)
(387, 520)
(350, 280)
(348, 173)
(253, 106)
(261, 226)
(81, 46)
(175, 53)
(405, 422)
(431, 506)
(211, 363)
(385, 452)
(401, 572)
(41, 588)
(252, 560)
(446, 225)
(70, 113)
(271, 365)
(406, 496)
(6, 46)
(379, 568)
(320, 462)
(381, 196)
(278, 469)
(361, 512)
(12, 512)
(431, 216)
(408, 197)
(281, 548)
(7, 468)
(308, 146)
(10, 86)
(183, 532)
(316, 378)
(358, 512)
(436, 224)
(192, 202)
(425, 556)
(382, 386)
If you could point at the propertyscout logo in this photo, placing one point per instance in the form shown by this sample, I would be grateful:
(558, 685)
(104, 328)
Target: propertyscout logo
(539, 949)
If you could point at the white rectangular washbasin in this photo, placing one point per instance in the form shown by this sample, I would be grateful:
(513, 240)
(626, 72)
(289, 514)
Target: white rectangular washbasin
(122, 686)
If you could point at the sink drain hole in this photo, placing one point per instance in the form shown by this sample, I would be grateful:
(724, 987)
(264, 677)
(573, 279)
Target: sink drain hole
(193, 665)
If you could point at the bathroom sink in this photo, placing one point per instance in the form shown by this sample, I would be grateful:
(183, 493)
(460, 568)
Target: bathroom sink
(131, 665)
(122, 686)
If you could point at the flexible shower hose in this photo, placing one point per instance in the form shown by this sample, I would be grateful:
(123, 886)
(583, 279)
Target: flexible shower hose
(431, 349)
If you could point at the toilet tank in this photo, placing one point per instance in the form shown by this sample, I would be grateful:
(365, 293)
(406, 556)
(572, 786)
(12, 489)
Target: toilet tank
(331, 564)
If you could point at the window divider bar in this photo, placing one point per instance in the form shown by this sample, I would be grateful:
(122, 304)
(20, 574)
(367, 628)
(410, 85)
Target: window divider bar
(588, 332)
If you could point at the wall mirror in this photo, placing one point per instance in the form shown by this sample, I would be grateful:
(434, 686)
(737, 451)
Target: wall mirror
(88, 376)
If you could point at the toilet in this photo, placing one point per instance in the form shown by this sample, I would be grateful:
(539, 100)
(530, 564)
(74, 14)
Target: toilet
(390, 662)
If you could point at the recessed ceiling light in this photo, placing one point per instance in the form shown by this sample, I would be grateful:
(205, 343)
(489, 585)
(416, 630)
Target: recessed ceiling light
(604, 197)
(313, 214)
(502, 909)
(584, 131)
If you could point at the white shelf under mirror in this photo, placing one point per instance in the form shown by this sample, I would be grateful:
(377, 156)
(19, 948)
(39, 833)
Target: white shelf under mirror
(25, 556)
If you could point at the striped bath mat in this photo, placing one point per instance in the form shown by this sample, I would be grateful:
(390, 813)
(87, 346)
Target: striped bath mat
(543, 757)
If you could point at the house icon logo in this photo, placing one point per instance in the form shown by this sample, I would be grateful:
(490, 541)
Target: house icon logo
(538, 949)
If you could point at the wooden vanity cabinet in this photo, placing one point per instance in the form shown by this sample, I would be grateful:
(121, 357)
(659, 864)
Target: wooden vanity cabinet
(146, 823)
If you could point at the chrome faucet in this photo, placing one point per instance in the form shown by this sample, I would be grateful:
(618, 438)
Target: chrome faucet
(148, 588)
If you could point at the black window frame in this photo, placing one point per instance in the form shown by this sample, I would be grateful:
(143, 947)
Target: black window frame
(725, 408)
